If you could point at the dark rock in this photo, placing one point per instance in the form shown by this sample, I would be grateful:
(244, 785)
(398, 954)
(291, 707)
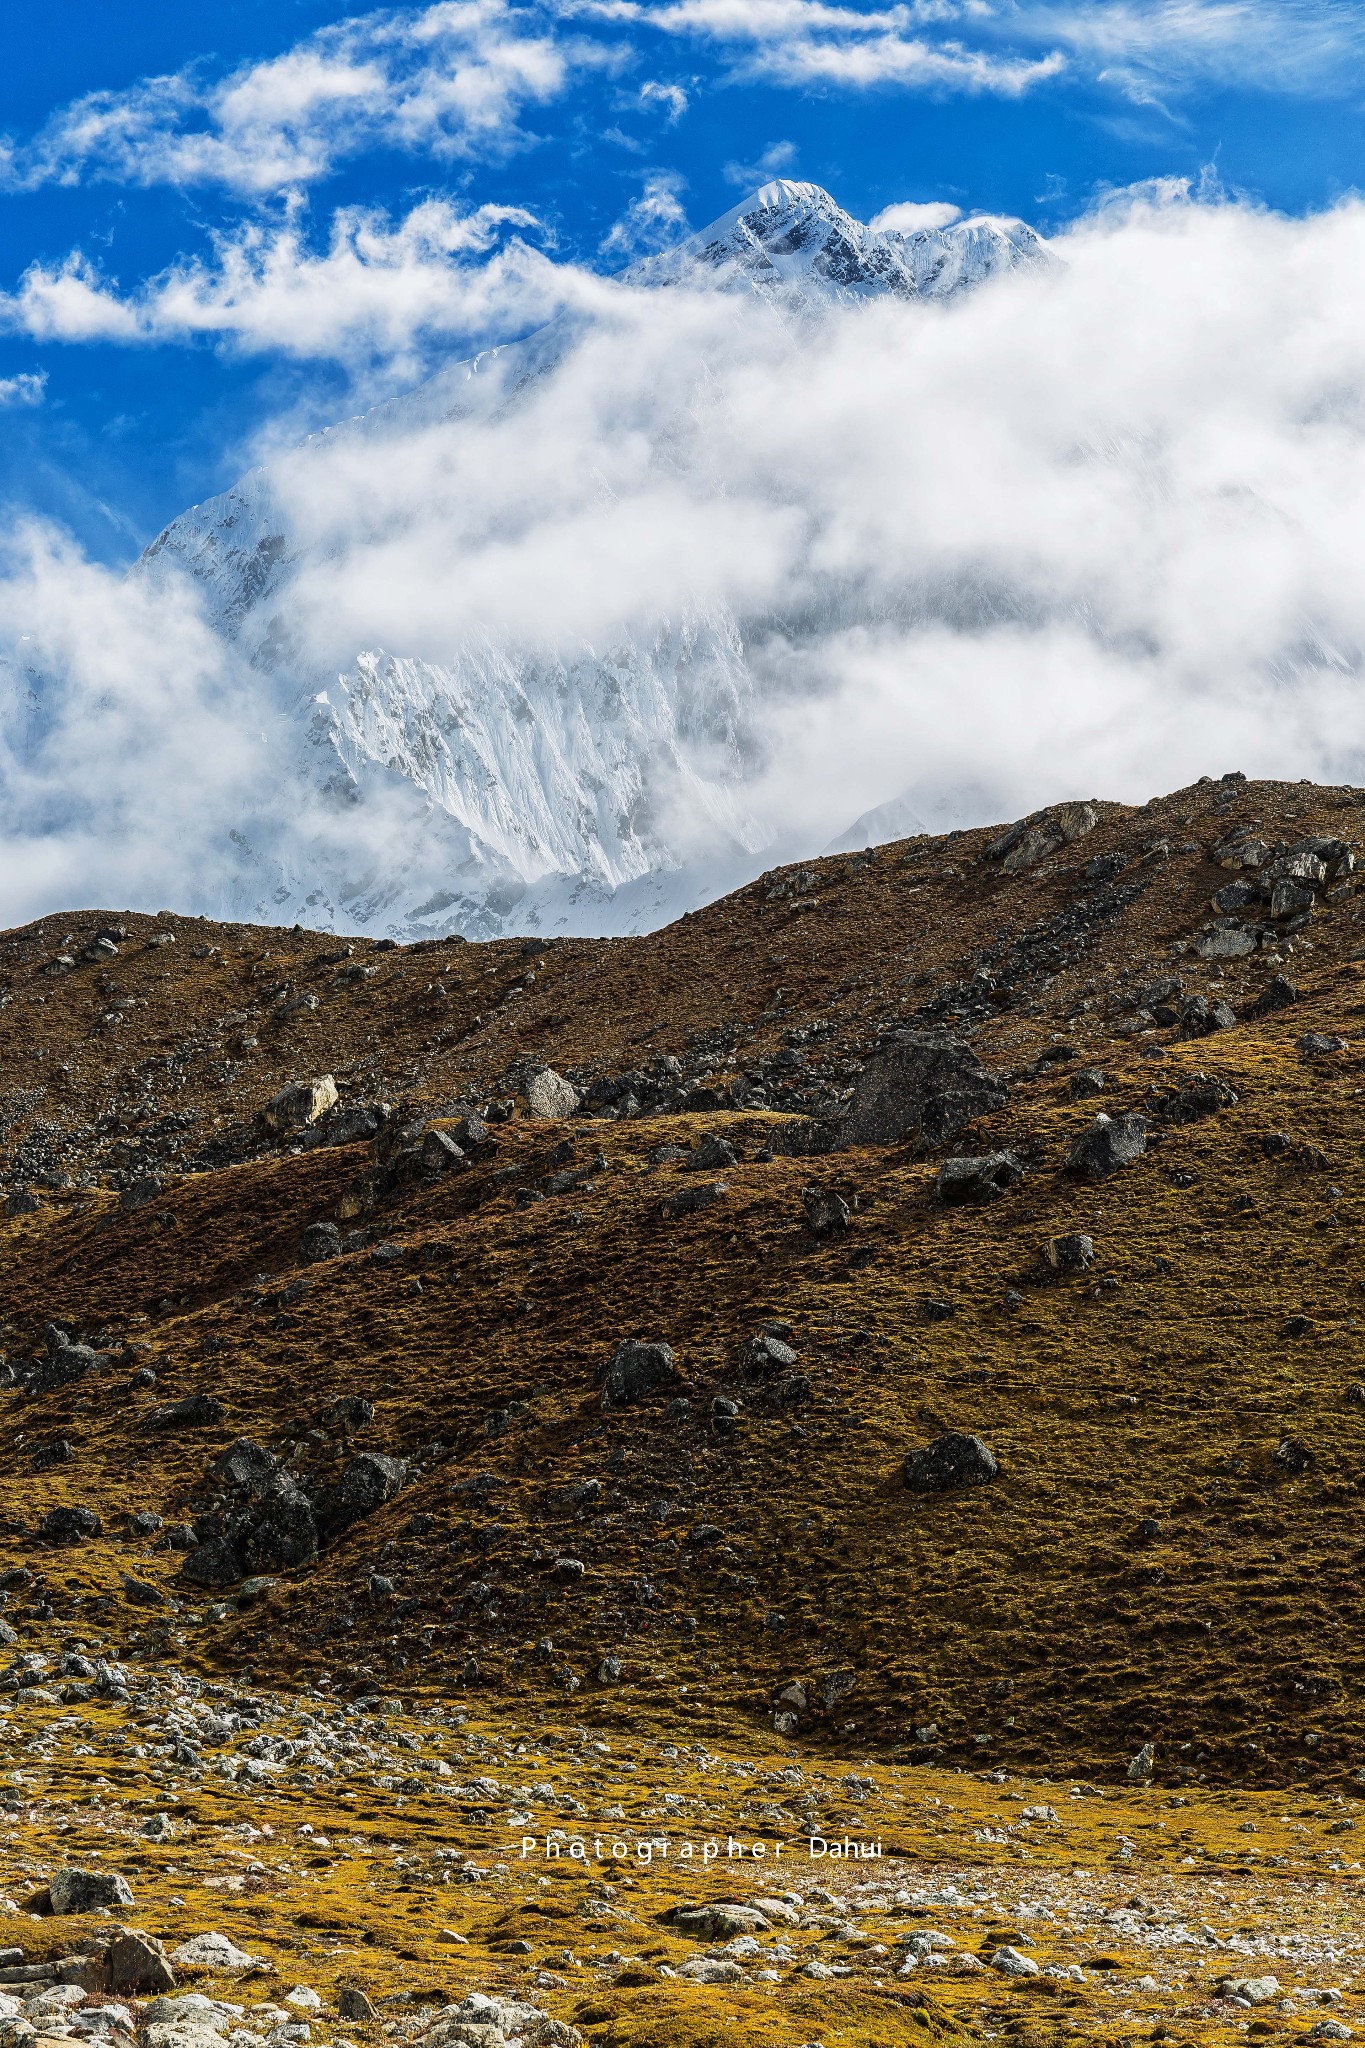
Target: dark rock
(952, 1460)
(279, 1532)
(765, 1357)
(978, 1180)
(1298, 1326)
(1277, 994)
(245, 1465)
(195, 1411)
(1200, 1096)
(633, 1370)
(1072, 1253)
(569, 1570)
(687, 1201)
(1293, 1456)
(792, 1392)
(21, 1202)
(441, 1152)
(367, 1483)
(1199, 1018)
(678, 1408)
(352, 2004)
(352, 1411)
(1110, 1143)
(827, 1213)
(924, 1086)
(145, 1523)
(935, 1311)
(1314, 1044)
(1149, 1528)
(320, 1241)
(70, 1525)
(214, 1564)
(711, 1155)
(1089, 1081)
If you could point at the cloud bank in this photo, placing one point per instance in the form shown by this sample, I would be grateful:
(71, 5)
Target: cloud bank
(1096, 532)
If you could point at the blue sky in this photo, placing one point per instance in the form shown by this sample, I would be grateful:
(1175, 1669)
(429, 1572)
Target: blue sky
(225, 224)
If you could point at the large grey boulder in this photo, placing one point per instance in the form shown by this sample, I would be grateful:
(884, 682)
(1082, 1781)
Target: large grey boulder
(1023, 845)
(85, 1891)
(953, 1460)
(366, 1484)
(925, 1086)
(548, 1094)
(1109, 1143)
(280, 1532)
(633, 1370)
(978, 1180)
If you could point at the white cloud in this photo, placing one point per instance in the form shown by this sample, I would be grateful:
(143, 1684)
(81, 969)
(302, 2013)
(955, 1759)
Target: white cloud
(1093, 532)
(378, 292)
(28, 388)
(909, 216)
(1138, 47)
(653, 221)
(777, 161)
(672, 98)
(446, 81)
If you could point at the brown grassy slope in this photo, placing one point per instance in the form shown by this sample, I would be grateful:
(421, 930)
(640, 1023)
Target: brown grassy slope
(1031, 1614)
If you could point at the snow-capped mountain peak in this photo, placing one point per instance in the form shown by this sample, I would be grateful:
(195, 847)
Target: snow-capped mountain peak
(534, 787)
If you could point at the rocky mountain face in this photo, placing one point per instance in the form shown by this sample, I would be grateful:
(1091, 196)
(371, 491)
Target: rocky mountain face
(513, 786)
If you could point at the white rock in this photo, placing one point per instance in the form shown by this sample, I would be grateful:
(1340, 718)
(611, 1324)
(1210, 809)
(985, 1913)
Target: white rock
(1010, 1963)
(212, 1952)
(711, 1970)
(1255, 1990)
(548, 1094)
(303, 1998)
(1329, 2030)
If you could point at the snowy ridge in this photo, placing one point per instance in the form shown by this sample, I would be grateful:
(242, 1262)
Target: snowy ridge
(504, 788)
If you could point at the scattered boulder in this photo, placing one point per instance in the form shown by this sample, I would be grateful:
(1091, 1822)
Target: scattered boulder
(711, 1154)
(827, 1212)
(1109, 1144)
(687, 1201)
(70, 1525)
(953, 1460)
(280, 1532)
(85, 1891)
(920, 1086)
(1293, 1456)
(367, 1483)
(1032, 839)
(1200, 1018)
(1072, 1253)
(137, 1962)
(1011, 1962)
(718, 1920)
(549, 1095)
(441, 1152)
(1278, 993)
(245, 1465)
(194, 1411)
(978, 1180)
(298, 1104)
(766, 1356)
(634, 1370)
(320, 1241)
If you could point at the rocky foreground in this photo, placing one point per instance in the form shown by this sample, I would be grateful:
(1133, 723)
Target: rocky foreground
(877, 1362)
(190, 1864)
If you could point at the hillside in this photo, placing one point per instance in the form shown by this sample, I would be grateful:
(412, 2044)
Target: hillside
(1169, 1552)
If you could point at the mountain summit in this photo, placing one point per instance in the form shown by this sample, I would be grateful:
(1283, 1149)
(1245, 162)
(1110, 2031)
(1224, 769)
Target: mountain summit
(486, 783)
